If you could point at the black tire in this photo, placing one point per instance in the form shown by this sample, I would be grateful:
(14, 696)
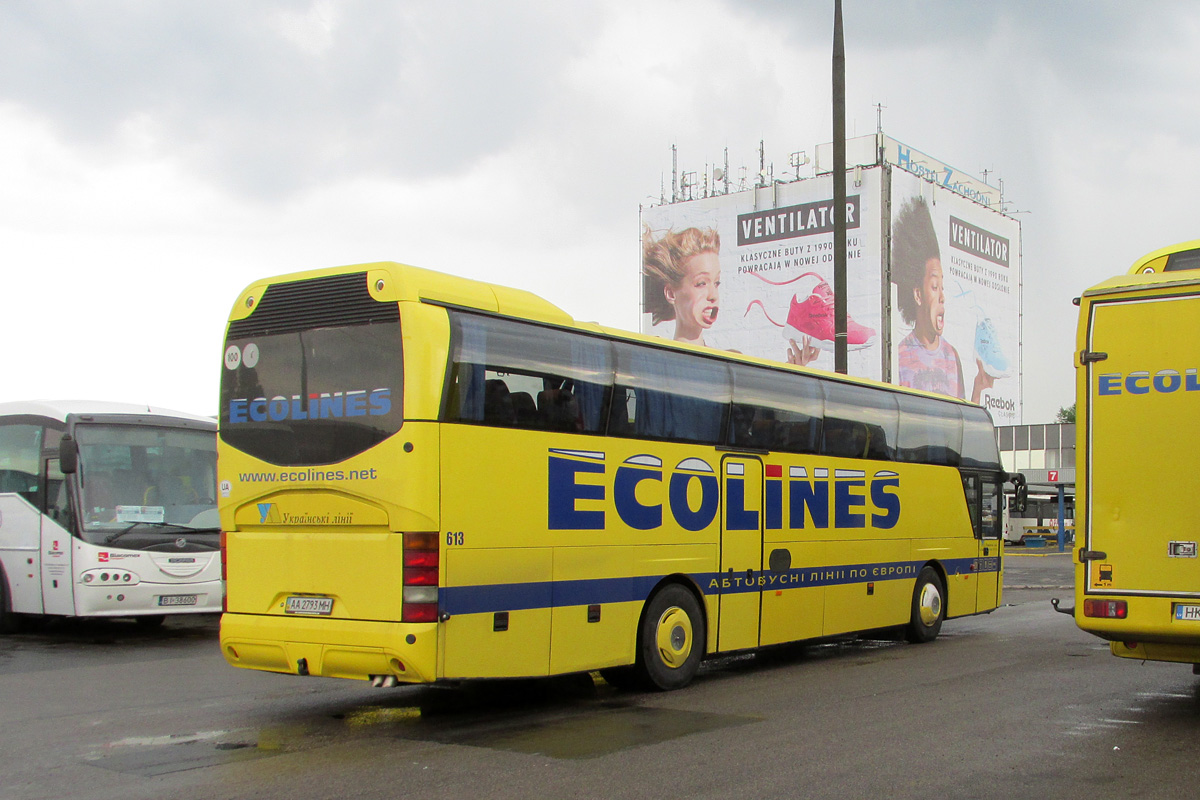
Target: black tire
(671, 639)
(150, 621)
(32, 623)
(928, 607)
(622, 677)
(8, 622)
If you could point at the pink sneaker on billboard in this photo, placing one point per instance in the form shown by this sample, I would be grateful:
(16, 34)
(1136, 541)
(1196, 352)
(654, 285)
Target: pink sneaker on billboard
(813, 316)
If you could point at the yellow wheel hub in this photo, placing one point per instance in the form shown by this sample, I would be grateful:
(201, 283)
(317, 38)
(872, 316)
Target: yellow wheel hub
(674, 637)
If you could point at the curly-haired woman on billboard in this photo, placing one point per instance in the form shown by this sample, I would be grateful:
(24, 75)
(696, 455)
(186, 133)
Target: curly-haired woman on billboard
(681, 273)
(925, 359)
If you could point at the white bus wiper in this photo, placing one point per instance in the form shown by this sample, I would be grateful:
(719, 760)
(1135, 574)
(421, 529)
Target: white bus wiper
(112, 537)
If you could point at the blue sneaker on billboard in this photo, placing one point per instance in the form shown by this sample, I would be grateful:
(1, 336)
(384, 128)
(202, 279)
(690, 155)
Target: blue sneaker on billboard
(987, 349)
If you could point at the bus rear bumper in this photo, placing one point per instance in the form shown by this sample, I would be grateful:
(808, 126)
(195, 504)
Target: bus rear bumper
(1157, 651)
(331, 648)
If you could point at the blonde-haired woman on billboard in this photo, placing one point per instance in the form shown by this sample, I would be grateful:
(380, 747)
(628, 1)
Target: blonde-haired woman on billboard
(681, 275)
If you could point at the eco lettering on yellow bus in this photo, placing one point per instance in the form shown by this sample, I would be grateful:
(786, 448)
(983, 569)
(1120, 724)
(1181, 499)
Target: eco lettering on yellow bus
(580, 478)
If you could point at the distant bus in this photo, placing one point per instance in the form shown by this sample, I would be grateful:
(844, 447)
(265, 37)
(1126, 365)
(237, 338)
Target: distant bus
(425, 478)
(1040, 518)
(1138, 558)
(106, 510)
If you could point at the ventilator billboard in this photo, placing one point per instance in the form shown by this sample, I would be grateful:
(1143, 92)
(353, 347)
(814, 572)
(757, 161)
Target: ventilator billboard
(933, 281)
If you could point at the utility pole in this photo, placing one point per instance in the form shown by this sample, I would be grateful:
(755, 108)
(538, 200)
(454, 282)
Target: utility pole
(839, 192)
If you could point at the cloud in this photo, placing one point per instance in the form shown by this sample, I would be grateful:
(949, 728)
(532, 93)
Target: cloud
(274, 97)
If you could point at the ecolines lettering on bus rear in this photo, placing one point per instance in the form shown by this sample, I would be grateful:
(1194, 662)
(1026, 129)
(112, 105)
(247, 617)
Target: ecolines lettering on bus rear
(1164, 381)
(807, 498)
(327, 405)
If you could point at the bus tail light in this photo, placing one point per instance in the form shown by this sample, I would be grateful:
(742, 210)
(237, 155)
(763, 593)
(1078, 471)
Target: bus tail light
(1106, 609)
(421, 561)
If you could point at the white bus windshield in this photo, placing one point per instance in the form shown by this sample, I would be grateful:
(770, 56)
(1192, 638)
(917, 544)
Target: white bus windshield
(146, 480)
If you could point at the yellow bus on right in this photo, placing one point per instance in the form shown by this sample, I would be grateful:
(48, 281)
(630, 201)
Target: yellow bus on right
(1137, 570)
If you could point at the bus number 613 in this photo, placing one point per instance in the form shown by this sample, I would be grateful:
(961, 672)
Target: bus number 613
(453, 538)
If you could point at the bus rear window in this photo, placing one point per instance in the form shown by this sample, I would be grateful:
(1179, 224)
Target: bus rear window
(314, 379)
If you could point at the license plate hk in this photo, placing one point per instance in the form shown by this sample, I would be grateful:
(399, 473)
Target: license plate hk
(1187, 612)
(321, 606)
(177, 600)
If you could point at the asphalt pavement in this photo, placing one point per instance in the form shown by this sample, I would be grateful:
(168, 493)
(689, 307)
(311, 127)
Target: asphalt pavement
(1035, 575)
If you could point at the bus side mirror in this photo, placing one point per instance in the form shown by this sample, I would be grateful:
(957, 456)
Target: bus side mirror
(1020, 492)
(68, 455)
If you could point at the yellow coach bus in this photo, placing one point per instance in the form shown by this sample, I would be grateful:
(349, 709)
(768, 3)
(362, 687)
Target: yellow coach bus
(1137, 580)
(425, 478)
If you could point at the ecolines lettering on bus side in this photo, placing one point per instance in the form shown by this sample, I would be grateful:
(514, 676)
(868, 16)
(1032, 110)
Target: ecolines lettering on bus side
(1164, 381)
(800, 501)
(326, 405)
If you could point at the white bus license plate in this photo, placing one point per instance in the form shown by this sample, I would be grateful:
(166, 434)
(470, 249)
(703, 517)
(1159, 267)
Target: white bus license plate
(322, 606)
(177, 600)
(1187, 612)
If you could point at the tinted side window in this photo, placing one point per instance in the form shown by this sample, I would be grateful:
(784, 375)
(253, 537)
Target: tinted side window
(664, 395)
(775, 410)
(979, 440)
(512, 374)
(973, 491)
(20, 459)
(930, 431)
(991, 513)
(58, 501)
(860, 422)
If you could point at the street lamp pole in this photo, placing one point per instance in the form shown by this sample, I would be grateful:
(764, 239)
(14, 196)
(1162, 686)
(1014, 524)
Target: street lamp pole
(839, 192)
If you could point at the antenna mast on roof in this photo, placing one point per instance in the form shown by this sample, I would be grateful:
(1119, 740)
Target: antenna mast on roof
(674, 174)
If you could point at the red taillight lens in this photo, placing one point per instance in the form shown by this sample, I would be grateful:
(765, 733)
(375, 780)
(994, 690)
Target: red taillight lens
(1106, 609)
(420, 558)
(420, 612)
(421, 562)
(420, 576)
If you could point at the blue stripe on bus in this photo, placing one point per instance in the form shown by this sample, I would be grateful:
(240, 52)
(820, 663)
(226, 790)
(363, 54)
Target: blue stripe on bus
(558, 594)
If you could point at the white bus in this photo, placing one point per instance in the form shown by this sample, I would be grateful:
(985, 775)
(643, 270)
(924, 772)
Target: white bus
(1040, 518)
(106, 510)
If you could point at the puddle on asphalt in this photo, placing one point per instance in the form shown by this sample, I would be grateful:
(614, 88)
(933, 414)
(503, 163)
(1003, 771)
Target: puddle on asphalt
(566, 718)
(149, 756)
(592, 734)
(588, 733)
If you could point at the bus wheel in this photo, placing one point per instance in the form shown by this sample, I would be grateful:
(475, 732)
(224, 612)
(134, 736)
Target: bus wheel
(8, 623)
(928, 607)
(671, 639)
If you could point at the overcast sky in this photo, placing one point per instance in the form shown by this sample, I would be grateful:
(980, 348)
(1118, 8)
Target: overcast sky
(156, 157)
